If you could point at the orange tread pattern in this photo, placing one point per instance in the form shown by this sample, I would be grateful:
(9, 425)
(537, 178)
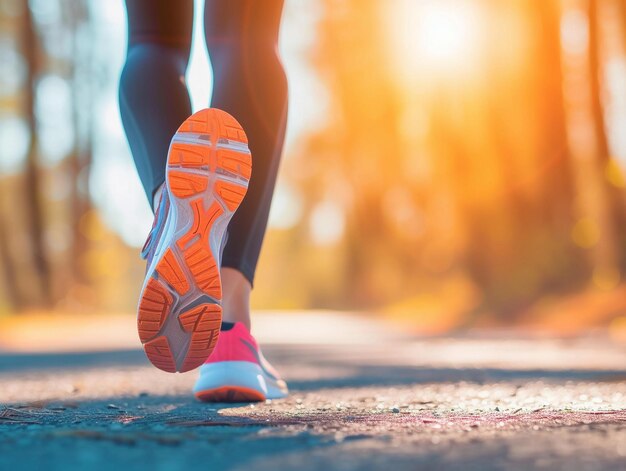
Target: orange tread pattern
(198, 255)
(230, 394)
(159, 353)
(204, 122)
(153, 309)
(204, 323)
(185, 184)
(171, 272)
(204, 269)
(239, 163)
(231, 194)
(188, 155)
(196, 123)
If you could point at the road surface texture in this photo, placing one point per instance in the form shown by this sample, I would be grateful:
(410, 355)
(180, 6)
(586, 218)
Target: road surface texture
(364, 396)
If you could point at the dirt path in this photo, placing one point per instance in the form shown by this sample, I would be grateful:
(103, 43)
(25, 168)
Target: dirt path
(377, 399)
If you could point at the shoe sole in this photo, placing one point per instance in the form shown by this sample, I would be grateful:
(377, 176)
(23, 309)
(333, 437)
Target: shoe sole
(237, 381)
(230, 394)
(208, 169)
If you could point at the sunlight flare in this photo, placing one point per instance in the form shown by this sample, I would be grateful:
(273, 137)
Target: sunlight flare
(433, 36)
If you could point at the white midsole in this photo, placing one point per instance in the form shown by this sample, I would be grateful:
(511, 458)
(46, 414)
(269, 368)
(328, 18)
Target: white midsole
(242, 374)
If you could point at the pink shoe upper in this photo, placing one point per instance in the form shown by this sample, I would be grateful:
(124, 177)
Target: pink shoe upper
(237, 344)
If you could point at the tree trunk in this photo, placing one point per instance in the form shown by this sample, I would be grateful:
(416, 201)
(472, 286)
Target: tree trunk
(612, 216)
(8, 269)
(558, 185)
(80, 159)
(32, 189)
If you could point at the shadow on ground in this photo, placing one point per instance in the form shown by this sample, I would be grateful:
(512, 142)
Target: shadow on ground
(363, 373)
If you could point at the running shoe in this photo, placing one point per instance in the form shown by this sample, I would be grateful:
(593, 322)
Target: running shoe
(208, 169)
(236, 371)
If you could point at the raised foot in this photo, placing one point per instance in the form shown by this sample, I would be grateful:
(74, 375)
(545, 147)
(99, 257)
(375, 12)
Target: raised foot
(208, 170)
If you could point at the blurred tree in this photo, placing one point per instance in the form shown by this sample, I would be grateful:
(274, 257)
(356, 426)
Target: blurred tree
(364, 131)
(528, 230)
(35, 267)
(82, 81)
(612, 215)
(554, 198)
(10, 288)
(496, 192)
(600, 227)
(475, 178)
(32, 187)
(9, 271)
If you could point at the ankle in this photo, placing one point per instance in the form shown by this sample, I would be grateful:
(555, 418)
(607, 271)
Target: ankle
(236, 291)
(235, 314)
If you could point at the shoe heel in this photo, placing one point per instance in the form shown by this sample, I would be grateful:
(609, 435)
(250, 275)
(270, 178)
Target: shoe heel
(208, 170)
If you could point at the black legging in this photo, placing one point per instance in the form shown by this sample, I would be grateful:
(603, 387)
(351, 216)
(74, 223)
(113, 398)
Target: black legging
(249, 83)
